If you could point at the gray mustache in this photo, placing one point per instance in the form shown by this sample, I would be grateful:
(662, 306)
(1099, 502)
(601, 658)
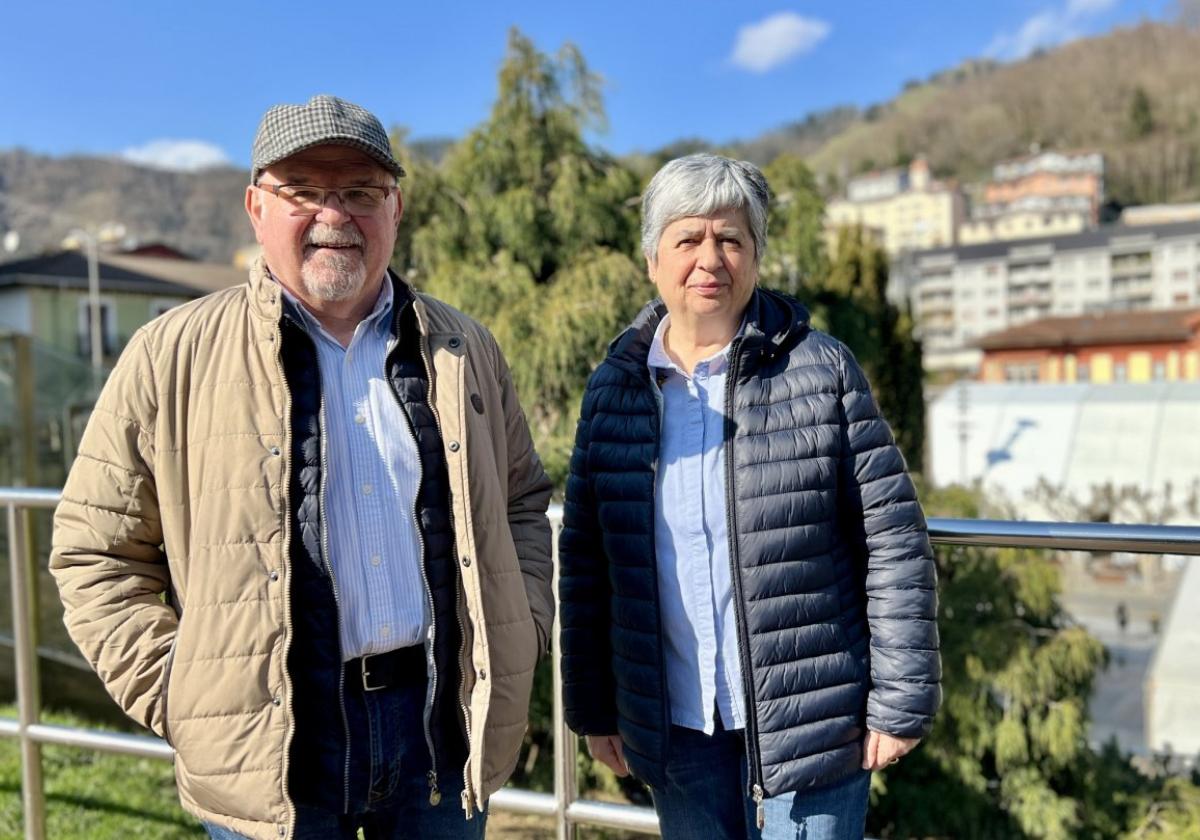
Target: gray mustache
(332, 237)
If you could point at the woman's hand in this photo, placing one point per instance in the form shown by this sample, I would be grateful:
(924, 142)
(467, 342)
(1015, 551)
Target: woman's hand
(609, 750)
(881, 749)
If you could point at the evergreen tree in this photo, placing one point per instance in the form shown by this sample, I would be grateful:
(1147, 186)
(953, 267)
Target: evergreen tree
(535, 234)
(850, 302)
(1141, 114)
(1008, 747)
(795, 257)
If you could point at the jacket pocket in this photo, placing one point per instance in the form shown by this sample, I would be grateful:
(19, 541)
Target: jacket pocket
(165, 691)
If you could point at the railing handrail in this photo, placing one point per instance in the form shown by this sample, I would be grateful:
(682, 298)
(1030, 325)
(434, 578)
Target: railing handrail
(1062, 536)
(564, 804)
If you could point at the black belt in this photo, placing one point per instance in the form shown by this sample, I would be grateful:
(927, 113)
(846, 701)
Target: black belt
(384, 670)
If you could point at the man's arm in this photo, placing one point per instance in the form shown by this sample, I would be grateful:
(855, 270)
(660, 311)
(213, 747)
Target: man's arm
(880, 504)
(528, 497)
(106, 555)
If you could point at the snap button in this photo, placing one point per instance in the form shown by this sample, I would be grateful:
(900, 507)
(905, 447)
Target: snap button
(282, 830)
(276, 700)
(453, 446)
(274, 450)
(454, 342)
(274, 575)
(466, 561)
(482, 674)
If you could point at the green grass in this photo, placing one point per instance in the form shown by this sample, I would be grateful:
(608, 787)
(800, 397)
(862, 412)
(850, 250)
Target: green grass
(94, 796)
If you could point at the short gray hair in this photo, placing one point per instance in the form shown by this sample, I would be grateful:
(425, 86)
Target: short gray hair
(699, 185)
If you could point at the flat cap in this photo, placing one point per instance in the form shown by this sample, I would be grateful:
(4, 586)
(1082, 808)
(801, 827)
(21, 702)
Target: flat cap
(288, 129)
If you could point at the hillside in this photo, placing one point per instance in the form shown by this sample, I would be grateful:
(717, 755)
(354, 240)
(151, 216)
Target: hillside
(1134, 94)
(43, 198)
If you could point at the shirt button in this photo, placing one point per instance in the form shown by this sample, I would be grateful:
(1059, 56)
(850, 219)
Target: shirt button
(359, 419)
(376, 559)
(349, 357)
(385, 630)
(367, 488)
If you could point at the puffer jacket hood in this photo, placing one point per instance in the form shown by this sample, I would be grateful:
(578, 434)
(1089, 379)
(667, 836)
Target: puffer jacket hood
(774, 323)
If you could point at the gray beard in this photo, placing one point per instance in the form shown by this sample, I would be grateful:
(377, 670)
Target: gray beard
(334, 277)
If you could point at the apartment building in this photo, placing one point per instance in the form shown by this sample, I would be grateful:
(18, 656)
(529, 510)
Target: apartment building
(958, 295)
(1042, 194)
(906, 206)
(1147, 346)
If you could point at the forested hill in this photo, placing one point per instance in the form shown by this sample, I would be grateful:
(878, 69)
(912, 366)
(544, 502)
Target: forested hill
(1133, 94)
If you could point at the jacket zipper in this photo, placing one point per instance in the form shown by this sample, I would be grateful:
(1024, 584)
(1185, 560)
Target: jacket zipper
(656, 391)
(435, 795)
(286, 578)
(467, 796)
(753, 759)
(337, 600)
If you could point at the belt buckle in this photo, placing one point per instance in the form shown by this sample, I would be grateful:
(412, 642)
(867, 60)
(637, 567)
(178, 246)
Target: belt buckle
(366, 674)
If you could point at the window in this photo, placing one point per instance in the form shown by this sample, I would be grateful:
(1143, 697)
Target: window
(108, 327)
(160, 305)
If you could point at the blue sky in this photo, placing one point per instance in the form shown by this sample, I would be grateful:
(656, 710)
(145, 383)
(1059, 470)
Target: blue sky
(184, 84)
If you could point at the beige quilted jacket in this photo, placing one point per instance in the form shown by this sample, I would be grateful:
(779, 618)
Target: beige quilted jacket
(171, 546)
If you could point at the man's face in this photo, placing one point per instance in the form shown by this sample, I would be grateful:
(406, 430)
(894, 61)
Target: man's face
(332, 256)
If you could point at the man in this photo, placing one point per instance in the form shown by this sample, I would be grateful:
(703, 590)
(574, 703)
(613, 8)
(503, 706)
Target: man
(305, 537)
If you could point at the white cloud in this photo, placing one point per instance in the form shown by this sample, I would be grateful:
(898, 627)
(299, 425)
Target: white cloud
(1047, 28)
(177, 155)
(774, 40)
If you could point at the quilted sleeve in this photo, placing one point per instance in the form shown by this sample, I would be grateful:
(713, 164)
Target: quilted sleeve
(879, 504)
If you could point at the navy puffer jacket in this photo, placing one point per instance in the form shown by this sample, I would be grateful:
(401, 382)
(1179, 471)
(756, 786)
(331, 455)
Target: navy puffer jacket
(833, 574)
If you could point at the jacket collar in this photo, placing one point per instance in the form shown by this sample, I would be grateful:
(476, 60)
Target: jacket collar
(774, 322)
(268, 304)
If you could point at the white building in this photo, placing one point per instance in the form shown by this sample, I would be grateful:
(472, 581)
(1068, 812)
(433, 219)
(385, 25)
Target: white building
(960, 294)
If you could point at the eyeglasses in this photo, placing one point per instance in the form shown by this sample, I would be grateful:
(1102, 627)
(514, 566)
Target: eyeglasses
(308, 201)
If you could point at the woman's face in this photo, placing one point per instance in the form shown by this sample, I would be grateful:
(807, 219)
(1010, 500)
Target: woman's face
(705, 268)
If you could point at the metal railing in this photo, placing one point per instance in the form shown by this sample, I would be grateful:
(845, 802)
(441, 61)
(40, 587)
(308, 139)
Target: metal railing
(564, 805)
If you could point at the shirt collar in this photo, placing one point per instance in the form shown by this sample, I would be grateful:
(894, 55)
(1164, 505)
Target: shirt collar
(659, 359)
(377, 318)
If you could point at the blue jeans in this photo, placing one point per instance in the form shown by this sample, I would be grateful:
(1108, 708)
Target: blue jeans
(388, 787)
(705, 796)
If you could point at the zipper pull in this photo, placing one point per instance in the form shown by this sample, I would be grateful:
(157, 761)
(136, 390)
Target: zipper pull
(466, 803)
(435, 795)
(760, 813)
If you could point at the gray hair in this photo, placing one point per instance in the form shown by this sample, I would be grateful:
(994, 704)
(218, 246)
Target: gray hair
(699, 185)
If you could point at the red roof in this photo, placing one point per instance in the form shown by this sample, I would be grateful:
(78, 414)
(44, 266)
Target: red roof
(1141, 327)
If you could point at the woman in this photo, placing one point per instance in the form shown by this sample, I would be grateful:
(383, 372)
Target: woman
(747, 587)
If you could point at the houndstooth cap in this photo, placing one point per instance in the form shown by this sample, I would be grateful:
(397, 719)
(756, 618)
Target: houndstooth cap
(288, 129)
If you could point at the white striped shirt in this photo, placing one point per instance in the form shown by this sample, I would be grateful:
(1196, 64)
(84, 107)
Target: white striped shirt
(372, 475)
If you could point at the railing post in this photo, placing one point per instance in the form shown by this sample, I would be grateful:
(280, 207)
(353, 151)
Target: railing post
(566, 785)
(28, 683)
